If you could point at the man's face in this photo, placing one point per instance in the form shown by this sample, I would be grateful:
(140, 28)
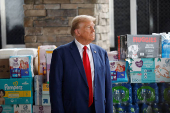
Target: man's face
(86, 31)
(1, 94)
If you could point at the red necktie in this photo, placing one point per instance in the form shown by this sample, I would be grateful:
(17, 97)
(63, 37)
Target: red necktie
(87, 69)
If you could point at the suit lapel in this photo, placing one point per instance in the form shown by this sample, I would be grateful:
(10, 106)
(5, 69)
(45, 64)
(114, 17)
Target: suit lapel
(95, 57)
(77, 58)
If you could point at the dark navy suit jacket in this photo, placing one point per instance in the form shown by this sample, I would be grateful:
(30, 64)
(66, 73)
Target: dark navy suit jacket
(69, 91)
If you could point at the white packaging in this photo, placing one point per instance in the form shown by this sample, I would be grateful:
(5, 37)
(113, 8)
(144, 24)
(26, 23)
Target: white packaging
(22, 108)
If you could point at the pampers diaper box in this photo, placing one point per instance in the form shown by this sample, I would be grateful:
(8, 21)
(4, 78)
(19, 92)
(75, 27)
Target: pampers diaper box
(149, 70)
(16, 91)
(21, 66)
(23, 108)
(6, 109)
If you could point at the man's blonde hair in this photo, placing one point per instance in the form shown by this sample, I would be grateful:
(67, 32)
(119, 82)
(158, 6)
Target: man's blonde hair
(78, 19)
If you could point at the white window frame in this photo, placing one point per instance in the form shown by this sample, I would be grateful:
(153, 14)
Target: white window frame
(3, 29)
(133, 17)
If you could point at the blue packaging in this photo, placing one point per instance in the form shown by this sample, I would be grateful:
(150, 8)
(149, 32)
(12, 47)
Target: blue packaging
(164, 92)
(156, 108)
(119, 71)
(165, 45)
(145, 93)
(144, 108)
(21, 66)
(17, 91)
(130, 108)
(165, 108)
(122, 93)
(136, 108)
(119, 108)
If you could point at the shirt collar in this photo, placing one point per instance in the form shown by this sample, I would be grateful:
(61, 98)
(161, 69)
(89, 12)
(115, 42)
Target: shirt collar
(80, 46)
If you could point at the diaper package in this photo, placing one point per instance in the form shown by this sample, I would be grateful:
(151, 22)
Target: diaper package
(48, 60)
(46, 100)
(42, 58)
(113, 55)
(165, 45)
(149, 70)
(21, 66)
(41, 109)
(38, 89)
(45, 89)
(118, 71)
(22, 108)
(144, 46)
(16, 91)
(6, 109)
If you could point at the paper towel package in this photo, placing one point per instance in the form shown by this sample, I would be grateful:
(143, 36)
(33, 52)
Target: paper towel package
(48, 60)
(41, 109)
(149, 70)
(46, 100)
(42, 58)
(6, 109)
(6, 53)
(16, 91)
(45, 89)
(27, 51)
(22, 108)
(21, 66)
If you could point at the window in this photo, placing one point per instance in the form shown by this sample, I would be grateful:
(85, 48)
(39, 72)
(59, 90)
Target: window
(12, 23)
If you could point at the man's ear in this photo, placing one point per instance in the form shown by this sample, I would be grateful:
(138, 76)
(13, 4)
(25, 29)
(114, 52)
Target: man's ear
(77, 33)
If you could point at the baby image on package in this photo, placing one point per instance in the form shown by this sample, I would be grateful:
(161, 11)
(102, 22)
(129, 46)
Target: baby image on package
(118, 71)
(2, 94)
(21, 66)
(16, 91)
(148, 70)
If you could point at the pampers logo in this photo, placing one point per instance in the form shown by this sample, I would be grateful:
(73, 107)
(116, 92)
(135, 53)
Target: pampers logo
(13, 87)
(15, 83)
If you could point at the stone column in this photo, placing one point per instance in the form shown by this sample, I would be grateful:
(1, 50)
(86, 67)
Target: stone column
(47, 22)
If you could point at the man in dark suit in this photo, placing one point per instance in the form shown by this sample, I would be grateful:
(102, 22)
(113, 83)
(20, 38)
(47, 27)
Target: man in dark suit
(80, 80)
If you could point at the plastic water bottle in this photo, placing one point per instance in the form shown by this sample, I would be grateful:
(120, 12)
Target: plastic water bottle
(144, 108)
(119, 108)
(136, 108)
(156, 108)
(116, 93)
(130, 109)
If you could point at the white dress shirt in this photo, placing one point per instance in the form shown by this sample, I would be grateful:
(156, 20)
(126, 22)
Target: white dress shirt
(80, 48)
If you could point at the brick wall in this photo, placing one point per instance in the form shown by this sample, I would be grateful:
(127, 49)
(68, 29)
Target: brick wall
(49, 21)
